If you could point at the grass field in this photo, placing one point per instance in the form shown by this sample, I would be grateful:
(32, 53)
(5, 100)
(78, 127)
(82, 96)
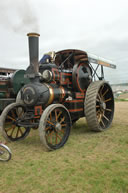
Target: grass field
(89, 162)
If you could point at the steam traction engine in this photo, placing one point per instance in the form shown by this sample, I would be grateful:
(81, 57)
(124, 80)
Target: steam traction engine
(62, 89)
(11, 81)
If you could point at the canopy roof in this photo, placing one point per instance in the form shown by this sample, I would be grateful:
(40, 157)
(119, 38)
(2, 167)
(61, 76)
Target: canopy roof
(84, 56)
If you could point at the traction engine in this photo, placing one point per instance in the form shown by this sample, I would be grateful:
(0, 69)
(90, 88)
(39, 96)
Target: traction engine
(61, 90)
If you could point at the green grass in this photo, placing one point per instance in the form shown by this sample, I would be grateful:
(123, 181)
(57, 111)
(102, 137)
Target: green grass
(89, 162)
(121, 100)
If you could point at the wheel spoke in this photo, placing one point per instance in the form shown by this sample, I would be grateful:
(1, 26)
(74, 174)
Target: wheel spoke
(100, 116)
(99, 97)
(51, 123)
(108, 110)
(97, 116)
(108, 100)
(59, 137)
(8, 129)
(50, 116)
(56, 115)
(12, 131)
(13, 114)
(47, 128)
(101, 90)
(49, 134)
(62, 131)
(102, 122)
(97, 100)
(63, 125)
(20, 131)
(51, 137)
(62, 120)
(105, 117)
(17, 133)
(56, 138)
(9, 117)
(105, 92)
(8, 123)
(59, 114)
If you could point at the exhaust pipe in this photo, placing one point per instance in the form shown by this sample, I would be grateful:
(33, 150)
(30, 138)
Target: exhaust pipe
(33, 41)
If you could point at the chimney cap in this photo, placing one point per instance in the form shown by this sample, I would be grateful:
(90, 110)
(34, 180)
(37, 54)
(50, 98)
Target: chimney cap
(33, 34)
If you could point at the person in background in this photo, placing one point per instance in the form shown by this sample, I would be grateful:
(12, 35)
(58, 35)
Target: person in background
(48, 57)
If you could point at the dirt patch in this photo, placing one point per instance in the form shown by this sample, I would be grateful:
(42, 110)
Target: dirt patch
(123, 96)
(121, 112)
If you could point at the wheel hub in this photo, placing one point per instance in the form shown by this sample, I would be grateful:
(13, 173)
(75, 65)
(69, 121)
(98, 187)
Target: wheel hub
(58, 126)
(102, 105)
(16, 122)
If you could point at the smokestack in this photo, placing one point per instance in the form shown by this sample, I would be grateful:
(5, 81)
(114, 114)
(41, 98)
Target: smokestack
(33, 41)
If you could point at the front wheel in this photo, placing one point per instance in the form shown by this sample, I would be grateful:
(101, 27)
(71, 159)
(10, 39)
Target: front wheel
(11, 118)
(5, 153)
(54, 127)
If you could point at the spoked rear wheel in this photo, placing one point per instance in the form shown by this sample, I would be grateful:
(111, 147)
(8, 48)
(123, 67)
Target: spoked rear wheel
(5, 153)
(12, 115)
(99, 106)
(54, 127)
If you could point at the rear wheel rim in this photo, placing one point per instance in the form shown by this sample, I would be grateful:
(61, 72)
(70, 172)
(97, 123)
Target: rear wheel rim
(99, 106)
(104, 106)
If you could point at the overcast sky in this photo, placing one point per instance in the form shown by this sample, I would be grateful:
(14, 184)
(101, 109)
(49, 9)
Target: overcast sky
(97, 26)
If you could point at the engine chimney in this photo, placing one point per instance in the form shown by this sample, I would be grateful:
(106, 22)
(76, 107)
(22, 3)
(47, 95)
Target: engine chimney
(33, 41)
